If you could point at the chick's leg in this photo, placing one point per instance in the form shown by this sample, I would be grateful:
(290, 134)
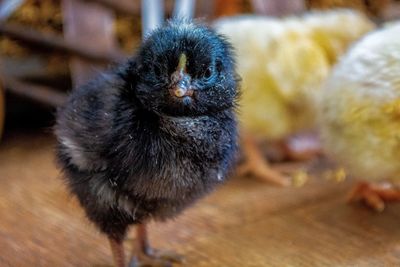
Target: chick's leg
(145, 256)
(375, 195)
(117, 250)
(255, 164)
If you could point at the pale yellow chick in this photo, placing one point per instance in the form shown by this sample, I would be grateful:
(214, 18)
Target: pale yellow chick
(339, 29)
(360, 114)
(283, 63)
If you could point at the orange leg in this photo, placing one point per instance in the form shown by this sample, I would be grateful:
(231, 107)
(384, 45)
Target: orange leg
(255, 164)
(374, 195)
(145, 256)
(117, 249)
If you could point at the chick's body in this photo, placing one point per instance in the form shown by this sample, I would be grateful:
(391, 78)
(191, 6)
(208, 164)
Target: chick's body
(283, 63)
(334, 31)
(360, 107)
(149, 138)
(127, 166)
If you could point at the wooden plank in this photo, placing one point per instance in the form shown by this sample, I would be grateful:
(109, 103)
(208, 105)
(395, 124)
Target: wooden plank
(227, 7)
(205, 9)
(244, 223)
(126, 7)
(278, 8)
(50, 42)
(42, 94)
(89, 25)
(324, 233)
(2, 107)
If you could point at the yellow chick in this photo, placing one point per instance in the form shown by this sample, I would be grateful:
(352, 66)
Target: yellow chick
(335, 30)
(360, 114)
(283, 63)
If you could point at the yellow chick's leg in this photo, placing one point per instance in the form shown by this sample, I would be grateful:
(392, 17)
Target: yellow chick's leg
(257, 165)
(301, 147)
(375, 195)
(145, 255)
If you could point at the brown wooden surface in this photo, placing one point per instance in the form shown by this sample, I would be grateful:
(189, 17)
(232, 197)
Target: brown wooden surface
(244, 223)
(278, 8)
(89, 25)
(42, 94)
(51, 42)
(2, 107)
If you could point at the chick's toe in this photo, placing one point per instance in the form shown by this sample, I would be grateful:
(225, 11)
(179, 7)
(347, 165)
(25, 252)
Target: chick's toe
(374, 195)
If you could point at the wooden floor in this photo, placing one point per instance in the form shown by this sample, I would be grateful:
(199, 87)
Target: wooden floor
(244, 223)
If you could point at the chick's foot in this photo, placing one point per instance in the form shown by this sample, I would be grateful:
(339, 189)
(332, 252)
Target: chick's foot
(157, 258)
(146, 256)
(255, 164)
(374, 195)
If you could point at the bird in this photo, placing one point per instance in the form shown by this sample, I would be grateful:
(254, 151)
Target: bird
(329, 31)
(147, 138)
(283, 63)
(359, 111)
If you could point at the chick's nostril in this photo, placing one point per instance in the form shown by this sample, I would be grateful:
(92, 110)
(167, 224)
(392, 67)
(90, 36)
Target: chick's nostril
(176, 76)
(183, 83)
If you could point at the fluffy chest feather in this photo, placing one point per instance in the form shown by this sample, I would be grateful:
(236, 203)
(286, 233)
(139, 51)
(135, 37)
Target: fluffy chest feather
(174, 156)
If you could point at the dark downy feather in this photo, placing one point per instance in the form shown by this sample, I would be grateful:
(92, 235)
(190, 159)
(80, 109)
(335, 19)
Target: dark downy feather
(132, 152)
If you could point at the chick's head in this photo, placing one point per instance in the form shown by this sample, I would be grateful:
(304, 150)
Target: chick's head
(185, 69)
(335, 30)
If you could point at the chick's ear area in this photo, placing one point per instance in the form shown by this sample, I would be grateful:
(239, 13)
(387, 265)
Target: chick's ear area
(218, 65)
(129, 71)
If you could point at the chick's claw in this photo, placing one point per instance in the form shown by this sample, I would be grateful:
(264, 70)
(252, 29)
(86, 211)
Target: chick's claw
(146, 256)
(157, 258)
(374, 195)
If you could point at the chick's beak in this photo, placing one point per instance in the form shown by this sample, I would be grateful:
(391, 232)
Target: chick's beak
(181, 79)
(183, 88)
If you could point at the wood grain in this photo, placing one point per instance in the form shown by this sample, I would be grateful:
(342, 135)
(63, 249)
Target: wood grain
(2, 107)
(244, 223)
(91, 26)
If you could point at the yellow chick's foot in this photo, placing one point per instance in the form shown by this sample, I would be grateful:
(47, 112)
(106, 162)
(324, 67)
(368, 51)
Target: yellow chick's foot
(146, 256)
(374, 195)
(302, 147)
(256, 165)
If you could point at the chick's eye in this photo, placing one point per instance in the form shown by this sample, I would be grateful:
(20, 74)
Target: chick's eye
(208, 73)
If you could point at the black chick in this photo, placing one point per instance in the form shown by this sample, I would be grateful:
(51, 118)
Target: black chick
(149, 138)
